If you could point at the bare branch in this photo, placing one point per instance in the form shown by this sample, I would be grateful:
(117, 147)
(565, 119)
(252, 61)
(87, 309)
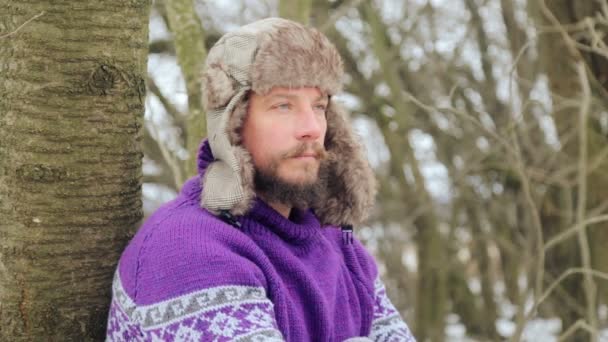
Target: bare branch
(581, 225)
(172, 161)
(580, 324)
(566, 274)
(589, 285)
(175, 114)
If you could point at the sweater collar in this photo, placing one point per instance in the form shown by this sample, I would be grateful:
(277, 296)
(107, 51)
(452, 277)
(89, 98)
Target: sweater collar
(302, 226)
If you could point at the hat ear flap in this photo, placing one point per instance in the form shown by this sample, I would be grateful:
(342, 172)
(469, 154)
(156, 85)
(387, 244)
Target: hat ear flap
(351, 193)
(228, 180)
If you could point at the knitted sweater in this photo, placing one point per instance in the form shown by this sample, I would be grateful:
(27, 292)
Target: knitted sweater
(187, 275)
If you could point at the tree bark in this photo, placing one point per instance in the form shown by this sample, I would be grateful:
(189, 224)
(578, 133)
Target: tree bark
(71, 112)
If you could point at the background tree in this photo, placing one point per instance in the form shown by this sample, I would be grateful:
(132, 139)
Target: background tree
(484, 120)
(72, 97)
(569, 59)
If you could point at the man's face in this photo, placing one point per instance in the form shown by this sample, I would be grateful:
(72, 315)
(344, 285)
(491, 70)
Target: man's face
(285, 131)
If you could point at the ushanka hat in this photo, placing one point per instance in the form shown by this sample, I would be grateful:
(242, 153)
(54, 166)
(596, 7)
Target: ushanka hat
(257, 57)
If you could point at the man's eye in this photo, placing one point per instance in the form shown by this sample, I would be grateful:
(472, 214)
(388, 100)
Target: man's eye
(282, 106)
(321, 107)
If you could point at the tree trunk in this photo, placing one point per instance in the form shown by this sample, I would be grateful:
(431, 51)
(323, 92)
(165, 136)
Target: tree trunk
(431, 301)
(71, 112)
(298, 10)
(480, 252)
(191, 53)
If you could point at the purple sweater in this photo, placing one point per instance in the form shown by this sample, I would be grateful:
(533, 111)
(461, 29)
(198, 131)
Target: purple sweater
(189, 276)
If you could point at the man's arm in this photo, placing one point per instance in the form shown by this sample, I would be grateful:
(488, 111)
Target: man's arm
(387, 324)
(220, 313)
(172, 285)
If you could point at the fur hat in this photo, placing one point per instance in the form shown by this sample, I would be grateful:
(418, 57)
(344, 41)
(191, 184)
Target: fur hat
(271, 53)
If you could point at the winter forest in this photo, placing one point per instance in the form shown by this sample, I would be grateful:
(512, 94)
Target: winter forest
(485, 122)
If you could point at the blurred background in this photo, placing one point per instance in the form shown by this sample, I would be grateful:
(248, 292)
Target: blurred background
(486, 124)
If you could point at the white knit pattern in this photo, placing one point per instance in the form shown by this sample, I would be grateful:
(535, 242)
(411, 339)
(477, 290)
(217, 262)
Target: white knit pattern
(223, 313)
(387, 326)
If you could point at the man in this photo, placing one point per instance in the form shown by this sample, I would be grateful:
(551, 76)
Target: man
(259, 245)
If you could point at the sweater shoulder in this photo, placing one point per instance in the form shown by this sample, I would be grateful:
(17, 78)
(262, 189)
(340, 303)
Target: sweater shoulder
(183, 248)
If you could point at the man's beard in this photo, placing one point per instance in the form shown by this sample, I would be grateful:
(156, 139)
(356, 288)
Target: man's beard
(301, 195)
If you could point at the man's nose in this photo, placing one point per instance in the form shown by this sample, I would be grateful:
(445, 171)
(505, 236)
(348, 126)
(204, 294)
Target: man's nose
(309, 123)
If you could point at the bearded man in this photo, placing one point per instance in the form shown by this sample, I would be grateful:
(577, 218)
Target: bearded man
(259, 245)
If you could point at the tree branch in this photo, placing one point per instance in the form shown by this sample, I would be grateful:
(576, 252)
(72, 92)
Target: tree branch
(589, 285)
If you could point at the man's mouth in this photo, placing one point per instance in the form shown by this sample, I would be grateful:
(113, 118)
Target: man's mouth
(308, 155)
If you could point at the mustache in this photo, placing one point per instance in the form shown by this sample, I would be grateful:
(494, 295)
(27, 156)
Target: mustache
(316, 148)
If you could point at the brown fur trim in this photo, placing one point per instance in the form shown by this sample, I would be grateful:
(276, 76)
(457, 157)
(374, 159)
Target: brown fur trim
(218, 87)
(351, 193)
(296, 56)
(236, 120)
